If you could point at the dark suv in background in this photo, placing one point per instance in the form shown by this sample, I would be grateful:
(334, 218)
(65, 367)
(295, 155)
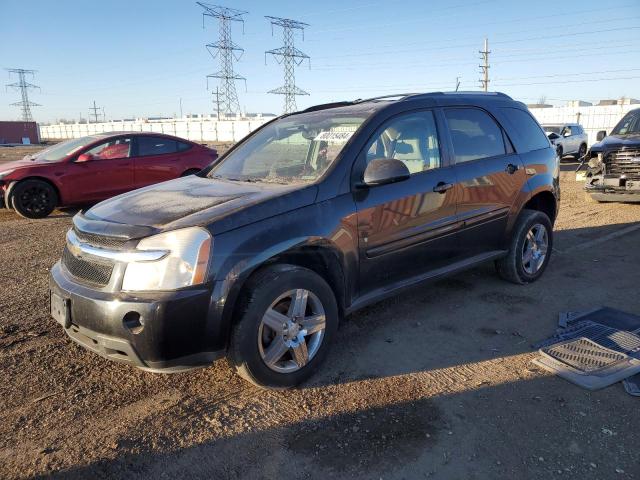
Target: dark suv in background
(613, 173)
(311, 217)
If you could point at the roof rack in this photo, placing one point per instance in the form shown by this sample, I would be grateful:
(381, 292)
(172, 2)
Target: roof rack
(474, 93)
(324, 106)
(400, 96)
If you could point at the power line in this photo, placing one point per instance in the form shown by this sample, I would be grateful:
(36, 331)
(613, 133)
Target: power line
(228, 51)
(24, 87)
(289, 56)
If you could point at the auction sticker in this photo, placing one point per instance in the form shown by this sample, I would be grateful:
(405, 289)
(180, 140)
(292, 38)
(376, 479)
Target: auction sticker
(334, 136)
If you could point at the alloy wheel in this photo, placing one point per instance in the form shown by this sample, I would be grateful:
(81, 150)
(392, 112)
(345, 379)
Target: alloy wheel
(534, 250)
(35, 199)
(291, 331)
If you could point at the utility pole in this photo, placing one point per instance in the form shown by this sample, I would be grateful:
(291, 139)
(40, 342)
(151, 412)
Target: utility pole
(227, 51)
(24, 87)
(95, 109)
(289, 56)
(484, 68)
(457, 83)
(218, 102)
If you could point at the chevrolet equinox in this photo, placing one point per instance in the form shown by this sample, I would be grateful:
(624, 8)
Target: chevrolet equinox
(309, 218)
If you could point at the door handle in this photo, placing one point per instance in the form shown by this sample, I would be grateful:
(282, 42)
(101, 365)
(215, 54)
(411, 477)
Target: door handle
(511, 169)
(442, 187)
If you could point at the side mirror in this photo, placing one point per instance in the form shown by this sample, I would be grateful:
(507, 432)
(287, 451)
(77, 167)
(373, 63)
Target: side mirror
(85, 157)
(601, 134)
(382, 171)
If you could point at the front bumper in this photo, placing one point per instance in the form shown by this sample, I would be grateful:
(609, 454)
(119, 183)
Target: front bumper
(158, 331)
(613, 189)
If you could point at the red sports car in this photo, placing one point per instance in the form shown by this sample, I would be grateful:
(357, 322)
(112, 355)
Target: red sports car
(90, 169)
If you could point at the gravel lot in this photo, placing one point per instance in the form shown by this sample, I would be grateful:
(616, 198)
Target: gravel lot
(434, 383)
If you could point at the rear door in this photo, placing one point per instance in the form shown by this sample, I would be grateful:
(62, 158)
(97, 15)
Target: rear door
(406, 228)
(156, 159)
(107, 173)
(490, 177)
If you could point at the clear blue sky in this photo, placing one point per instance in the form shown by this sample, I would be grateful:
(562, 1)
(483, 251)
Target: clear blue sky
(139, 57)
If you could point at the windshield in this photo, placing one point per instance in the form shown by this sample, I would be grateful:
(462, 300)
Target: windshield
(629, 124)
(295, 149)
(552, 128)
(59, 151)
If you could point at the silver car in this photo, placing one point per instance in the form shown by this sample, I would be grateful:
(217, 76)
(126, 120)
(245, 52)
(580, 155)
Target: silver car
(568, 138)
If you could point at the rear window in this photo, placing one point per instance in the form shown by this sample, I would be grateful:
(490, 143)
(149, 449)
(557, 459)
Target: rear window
(156, 146)
(474, 134)
(531, 135)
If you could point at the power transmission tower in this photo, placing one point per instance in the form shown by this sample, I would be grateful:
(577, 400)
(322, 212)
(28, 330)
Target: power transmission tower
(484, 68)
(24, 87)
(289, 56)
(95, 109)
(228, 51)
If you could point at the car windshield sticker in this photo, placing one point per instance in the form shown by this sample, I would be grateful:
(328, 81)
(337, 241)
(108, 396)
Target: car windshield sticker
(335, 136)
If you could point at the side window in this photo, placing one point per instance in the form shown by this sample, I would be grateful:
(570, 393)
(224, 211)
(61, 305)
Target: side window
(182, 146)
(155, 146)
(474, 134)
(410, 138)
(119, 148)
(529, 132)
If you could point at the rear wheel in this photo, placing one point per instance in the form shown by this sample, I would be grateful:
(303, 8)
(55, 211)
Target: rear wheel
(529, 250)
(286, 321)
(34, 198)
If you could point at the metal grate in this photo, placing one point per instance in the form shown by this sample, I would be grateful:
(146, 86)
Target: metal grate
(584, 355)
(90, 272)
(100, 240)
(624, 162)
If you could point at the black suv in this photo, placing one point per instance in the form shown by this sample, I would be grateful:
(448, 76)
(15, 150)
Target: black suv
(613, 173)
(309, 218)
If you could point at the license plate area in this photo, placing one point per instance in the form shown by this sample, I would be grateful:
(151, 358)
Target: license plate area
(60, 310)
(633, 185)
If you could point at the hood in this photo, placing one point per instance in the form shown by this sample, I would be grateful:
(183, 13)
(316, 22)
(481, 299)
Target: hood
(613, 142)
(24, 163)
(195, 200)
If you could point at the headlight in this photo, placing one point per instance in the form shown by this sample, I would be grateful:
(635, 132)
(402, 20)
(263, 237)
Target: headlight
(5, 173)
(184, 264)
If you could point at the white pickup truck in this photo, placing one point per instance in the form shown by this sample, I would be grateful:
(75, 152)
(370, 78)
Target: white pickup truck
(568, 138)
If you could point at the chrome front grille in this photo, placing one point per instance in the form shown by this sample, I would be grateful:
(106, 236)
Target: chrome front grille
(100, 240)
(624, 162)
(95, 273)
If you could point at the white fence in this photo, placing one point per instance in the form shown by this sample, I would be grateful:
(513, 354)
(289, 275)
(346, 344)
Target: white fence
(197, 130)
(593, 118)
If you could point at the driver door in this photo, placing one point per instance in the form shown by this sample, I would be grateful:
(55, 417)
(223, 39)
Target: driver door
(107, 173)
(408, 228)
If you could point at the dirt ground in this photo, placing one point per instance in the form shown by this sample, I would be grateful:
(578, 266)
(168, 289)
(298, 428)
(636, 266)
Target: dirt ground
(434, 383)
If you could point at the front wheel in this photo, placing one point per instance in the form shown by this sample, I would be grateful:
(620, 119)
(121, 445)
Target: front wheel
(34, 198)
(286, 320)
(582, 151)
(529, 250)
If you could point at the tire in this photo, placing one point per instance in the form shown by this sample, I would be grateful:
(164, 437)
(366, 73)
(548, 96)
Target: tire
(582, 151)
(251, 338)
(34, 198)
(559, 151)
(514, 267)
(191, 171)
